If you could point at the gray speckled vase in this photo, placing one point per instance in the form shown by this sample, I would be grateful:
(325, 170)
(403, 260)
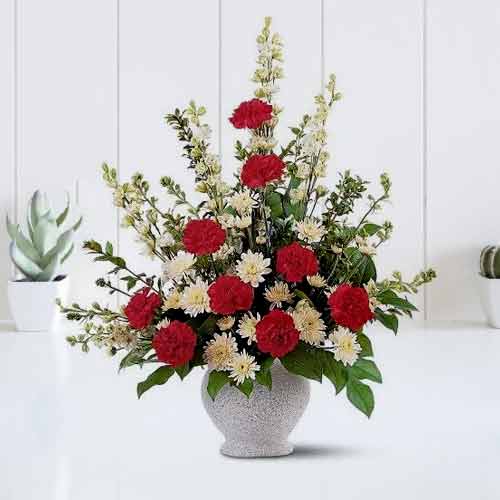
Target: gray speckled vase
(259, 426)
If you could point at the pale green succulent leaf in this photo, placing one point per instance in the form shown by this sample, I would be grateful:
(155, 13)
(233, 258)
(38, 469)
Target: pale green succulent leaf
(23, 244)
(68, 253)
(60, 248)
(50, 271)
(23, 263)
(37, 207)
(62, 216)
(30, 228)
(45, 233)
(77, 224)
(12, 229)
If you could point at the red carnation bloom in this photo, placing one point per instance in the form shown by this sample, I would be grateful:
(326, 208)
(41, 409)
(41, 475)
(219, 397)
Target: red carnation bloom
(350, 306)
(251, 114)
(229, 294)
(141, 308)
(175, 343)
(203, 237)
(276, 333)
(260, 170)
(295, 262)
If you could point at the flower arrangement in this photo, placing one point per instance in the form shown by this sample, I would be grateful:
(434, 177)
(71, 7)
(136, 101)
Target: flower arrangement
(267, 268)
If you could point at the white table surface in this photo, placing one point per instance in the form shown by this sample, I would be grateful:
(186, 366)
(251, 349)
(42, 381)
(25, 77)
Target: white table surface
(71, 428)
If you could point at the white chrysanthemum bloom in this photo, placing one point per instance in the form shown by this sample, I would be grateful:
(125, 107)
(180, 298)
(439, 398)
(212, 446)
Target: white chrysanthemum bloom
(278, 294)
(226, 220)
(178, 266)
(242, 202)
(365, 247)
(243, 366)
(195, 299)
(226, 323)
(247, 326)
(163, 324)
(309, 230)
(253, 267)
(309, 324)
(166, 240)
(345, 346)
(242, 222)
(172, 300)
(316, 281)
(224, 252)
(220, 351)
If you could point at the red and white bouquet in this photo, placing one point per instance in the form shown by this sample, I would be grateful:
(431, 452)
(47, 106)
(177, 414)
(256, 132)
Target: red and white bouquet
(269, 267)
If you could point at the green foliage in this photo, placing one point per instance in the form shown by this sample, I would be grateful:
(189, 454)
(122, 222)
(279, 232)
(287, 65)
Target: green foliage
(390, 321)
(361, 396)
(332, 369)
(216, 381)
(246, 387)
(39, 255)
(303, 361)
(263, 376)
(159, 377)
(366, 369)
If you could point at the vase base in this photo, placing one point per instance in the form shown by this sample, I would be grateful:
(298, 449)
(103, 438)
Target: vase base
(267, 450)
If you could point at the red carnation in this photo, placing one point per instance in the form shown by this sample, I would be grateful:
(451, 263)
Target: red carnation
(295, 262)
(229, 294)
(175, 343)
(251, 114)
(350, 306)
(276, 333)
(203, 237)
(260, 170)
(141, 308)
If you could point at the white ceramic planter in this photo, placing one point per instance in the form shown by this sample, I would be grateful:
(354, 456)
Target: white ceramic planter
(489, 293)
(259, 426)
(32, 303)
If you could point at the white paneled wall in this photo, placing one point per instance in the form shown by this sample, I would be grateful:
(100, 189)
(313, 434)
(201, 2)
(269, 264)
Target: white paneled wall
(83, 82)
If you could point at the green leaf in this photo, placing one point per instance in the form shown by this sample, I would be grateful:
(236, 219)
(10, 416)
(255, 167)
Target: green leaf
(273, 201)
(366, 369)
(158, 377)
(388, 320)
(62, 216)
(216, 381)
(369, 229)
(361, 396)
(302, 361)
(246, 387)
(109, 248)
(25, 265)
(183, 371)
(263, 376)
(334, 370)
(389, 297)
(208, 326)
(366, 345)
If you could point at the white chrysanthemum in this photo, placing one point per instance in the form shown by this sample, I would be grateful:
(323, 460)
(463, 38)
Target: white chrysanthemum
(278, 294)
(224, 252)
(220, 351)
(226, 323)
(309, 324)
(309, 230)
(253, 267)
(242, 222)
(178, 266)
(345, 346)
(316, 281)
(243, 366)
(247, 326)
(172, 300)
(195, 299)
(163, 324)
(242, 202)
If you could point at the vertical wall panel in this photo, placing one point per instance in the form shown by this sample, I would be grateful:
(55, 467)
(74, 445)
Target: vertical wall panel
(375, 49)
(168, 56)
(300, 29)
(67, 115)
(7, 123)
(464, 153)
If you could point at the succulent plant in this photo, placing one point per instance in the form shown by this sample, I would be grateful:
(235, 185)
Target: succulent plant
(489, 262)
(48, 246)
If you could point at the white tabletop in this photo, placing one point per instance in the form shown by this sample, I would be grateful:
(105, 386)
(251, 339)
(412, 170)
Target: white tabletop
(71, 428)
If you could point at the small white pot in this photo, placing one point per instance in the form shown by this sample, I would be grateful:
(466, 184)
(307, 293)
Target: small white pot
(258, 426)
(33, 303)
(489, 292)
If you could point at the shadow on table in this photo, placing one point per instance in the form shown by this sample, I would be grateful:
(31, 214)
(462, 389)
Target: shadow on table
(313, 451)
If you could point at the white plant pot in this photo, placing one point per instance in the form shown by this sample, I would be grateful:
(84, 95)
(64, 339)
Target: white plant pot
(258, 426)
(33, 303)
(489, 293)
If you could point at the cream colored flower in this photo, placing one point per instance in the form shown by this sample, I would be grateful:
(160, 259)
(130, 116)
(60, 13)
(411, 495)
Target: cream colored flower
(242, 222)
(242, 202)
(247, 326)
(365, 247)
(243, 366)
(345, 346)
(122, 337)
(316, 281)
(336, 250)
(226, 323)
(278, 294)
(303, 171)
(253, 267)
(172, 300)
(220, 351)
(372, 291)
(224, 252)
(297, 194)
(163, 324)
(178, 266)
(195, 299)
(309, 230)
(309, 324)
